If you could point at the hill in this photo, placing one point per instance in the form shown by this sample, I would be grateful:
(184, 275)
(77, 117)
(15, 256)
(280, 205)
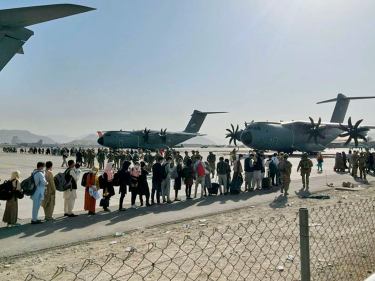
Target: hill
(23, 136)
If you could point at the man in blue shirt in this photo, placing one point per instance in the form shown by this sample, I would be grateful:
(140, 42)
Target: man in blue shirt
(38, 196)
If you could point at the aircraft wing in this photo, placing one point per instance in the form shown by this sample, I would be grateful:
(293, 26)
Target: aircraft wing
(323, 124)
(11, 42)
(26, 16)
(13, 33)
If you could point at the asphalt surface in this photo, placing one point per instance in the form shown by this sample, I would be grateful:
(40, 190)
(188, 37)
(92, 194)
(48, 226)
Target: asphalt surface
(63, 231)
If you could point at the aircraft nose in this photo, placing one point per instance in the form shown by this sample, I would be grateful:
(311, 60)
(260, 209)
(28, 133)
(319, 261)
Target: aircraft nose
(101, 141)
(247, 137)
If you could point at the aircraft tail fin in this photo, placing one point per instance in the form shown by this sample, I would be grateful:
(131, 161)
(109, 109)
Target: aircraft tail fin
(26, 16)
(342, 103)
(196, 121)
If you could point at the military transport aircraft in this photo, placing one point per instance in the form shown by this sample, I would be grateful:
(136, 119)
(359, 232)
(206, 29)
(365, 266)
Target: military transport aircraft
(151, 139)
(305, 136)
(13, 22)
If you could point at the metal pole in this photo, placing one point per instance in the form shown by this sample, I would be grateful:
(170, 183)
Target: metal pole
(304, 244)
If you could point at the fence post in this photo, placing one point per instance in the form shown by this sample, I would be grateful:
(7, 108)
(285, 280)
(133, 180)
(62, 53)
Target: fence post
(304, 243)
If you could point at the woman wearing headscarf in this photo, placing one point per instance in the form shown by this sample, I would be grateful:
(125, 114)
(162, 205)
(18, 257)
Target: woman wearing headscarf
(124, 179)
(91, 189)
(108, 190)
(144, 189)
(11, 207)
(135, 173)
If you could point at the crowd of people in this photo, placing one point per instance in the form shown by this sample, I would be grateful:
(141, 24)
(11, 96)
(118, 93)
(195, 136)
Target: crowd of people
(129, 172)
(354, 162)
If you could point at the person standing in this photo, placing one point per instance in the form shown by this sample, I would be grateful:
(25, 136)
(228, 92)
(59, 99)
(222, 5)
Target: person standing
(257, 174)
(222, 170)
(108, 190)
(48, 203)
(237, 178)
(166, 183)
(186, 157)
(144, 189)
(64, 157)
(249, 171)
(177, 176)
(362, 165)
(285, 168)
(11, 207)
(92, 184)
(124, 178)
(349, 158)
(135, 173)
(305, 166)
(188, 177)
(355, 163)
(320, 161)
(38, 196)
(211, 159)
(70, 195)
(200, 172)
(157, 178)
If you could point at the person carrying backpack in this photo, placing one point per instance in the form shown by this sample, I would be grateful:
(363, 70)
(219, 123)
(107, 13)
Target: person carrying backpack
(11, 206)
(188, 177)
(305, 166)
(38, 196)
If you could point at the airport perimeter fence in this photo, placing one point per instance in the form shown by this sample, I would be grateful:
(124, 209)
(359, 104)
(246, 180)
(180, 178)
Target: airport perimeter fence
(330, 243)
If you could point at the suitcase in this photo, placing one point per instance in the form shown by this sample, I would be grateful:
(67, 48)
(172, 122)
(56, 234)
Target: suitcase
(214, 189)
(266, 183)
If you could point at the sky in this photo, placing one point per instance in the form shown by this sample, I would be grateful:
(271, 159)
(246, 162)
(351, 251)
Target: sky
(135, 64)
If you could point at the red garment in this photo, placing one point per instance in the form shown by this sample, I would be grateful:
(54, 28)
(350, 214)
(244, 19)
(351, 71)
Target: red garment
(90, 201)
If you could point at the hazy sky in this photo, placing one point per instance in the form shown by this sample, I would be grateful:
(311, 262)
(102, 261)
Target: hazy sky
(132, 64)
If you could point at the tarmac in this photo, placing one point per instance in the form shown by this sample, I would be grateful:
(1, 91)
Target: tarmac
(64, 231)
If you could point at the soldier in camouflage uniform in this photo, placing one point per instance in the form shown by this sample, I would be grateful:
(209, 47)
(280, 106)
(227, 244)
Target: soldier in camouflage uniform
(362, 165)
(305, 165)
(178, 157)
(285, 169)
(211, 159)
(101, 158)
(355, 163)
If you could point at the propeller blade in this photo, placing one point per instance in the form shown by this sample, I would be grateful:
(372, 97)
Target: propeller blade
(237, 129)
(232, 127)
(357, 123)
(342, 127)
(360, 130)
(235, 142)
(356, 142)
(362, 137)
(349, 140)
(312, 121)
(319, 122)
(345, 135)
(350, 125)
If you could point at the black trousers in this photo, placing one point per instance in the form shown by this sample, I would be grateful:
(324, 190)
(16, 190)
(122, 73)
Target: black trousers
(188, 190)
(122, 197)
(134, 196)
(156, 190)
(146, 193)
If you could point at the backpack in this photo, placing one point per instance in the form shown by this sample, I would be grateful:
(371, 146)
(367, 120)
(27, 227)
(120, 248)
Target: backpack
(84, 179)
(61, 182)
(164, 173)
(102, 182)
(201, 171)
(28, 185)
(6, 190)
(305, 164)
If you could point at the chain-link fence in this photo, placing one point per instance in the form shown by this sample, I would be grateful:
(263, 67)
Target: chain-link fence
(339, 239)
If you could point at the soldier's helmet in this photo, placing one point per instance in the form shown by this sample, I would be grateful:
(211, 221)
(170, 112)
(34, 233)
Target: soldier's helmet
(304, 155)
(285, 155)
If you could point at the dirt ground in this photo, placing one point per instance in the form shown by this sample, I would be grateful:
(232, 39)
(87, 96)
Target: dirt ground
(111, 252)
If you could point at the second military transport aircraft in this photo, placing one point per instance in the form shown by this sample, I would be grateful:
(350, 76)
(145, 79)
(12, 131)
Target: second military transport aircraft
(153, 139)
(305, 136)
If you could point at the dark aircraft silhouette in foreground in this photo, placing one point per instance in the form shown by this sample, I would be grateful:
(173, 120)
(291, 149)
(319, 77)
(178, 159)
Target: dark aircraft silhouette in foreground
(305, 136)
(153, 139)
(13, 22)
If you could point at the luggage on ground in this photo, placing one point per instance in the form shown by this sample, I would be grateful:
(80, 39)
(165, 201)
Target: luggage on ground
(266, 182)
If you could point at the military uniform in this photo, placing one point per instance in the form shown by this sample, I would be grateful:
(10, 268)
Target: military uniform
(211, 159)
(355, 163)
(285, 169)
(305, 165)
(186, 158)
(362, 165)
